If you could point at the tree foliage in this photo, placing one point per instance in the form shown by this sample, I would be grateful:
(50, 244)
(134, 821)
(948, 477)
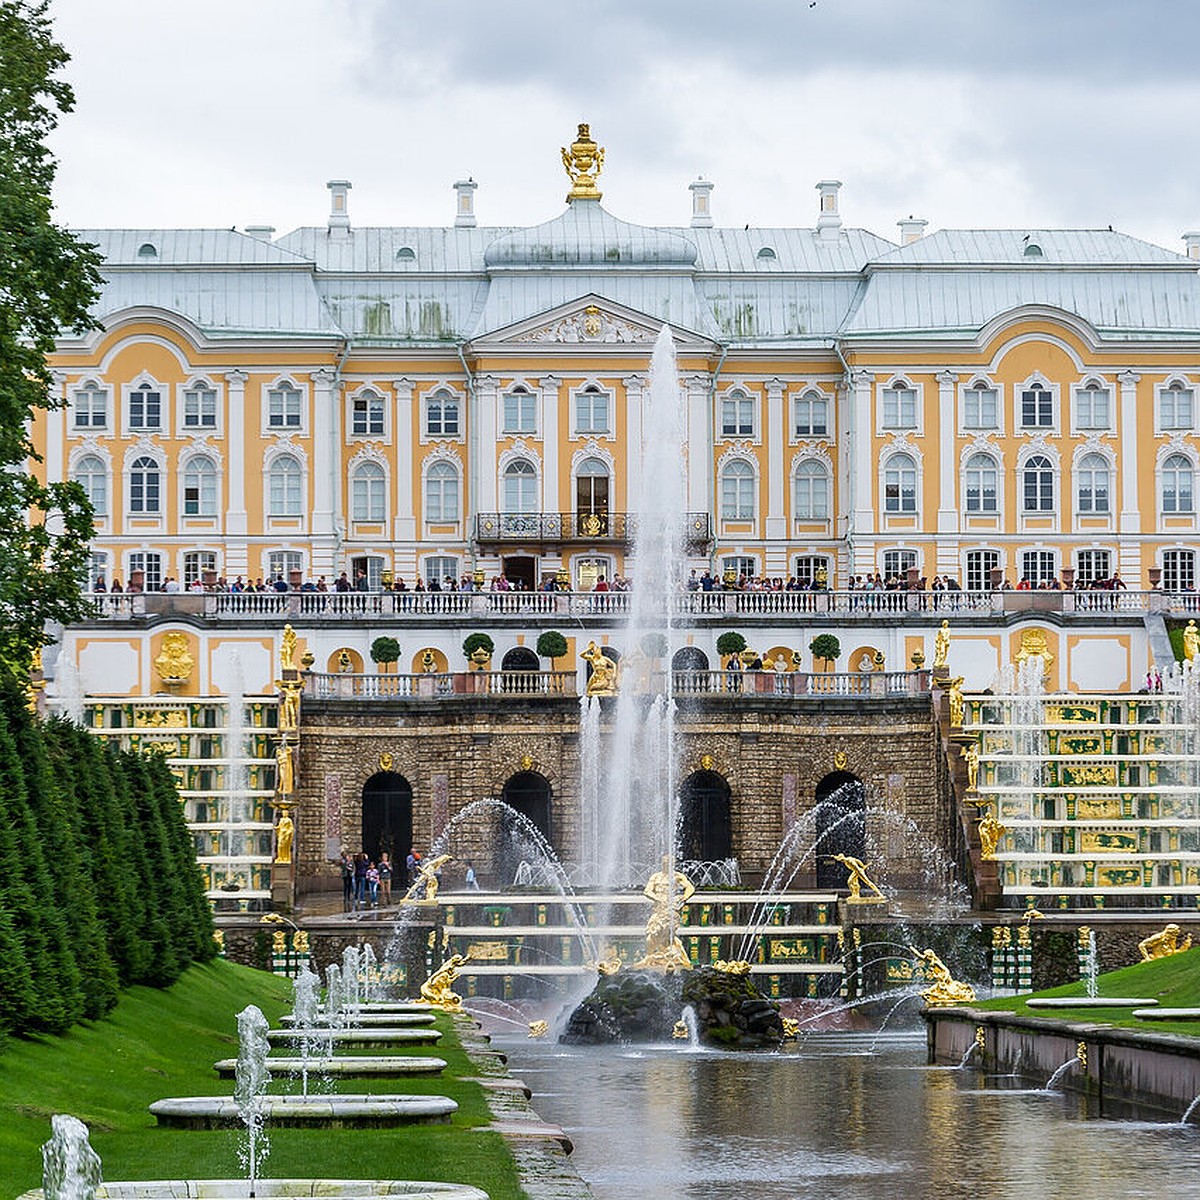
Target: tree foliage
(825, 646)
(478, 641)
(48, 282)
(551, 644)
(731, 642)
(385, 650)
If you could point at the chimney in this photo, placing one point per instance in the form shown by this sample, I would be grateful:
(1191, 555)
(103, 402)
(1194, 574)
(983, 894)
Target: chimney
(912, 229)
(260, 233)
(829, 223)
(464, 203)
(1191, 243)
(701, 203)
(339, 210)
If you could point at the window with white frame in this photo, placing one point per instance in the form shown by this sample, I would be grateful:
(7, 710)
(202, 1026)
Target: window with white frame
(742, 565)
(810, 415)
(199, 407)
(737, 414)
(1093, 406)
(285, 487)
(1092, 566)
(145, 407)
(520, 487)
(366, 415)
(97, 569)
(196, 563)
(808, 569)
(441, 494)
(981, 406)
(145, 487)
(284, 407)
(281, 564)
(368, 493)
(442, 414)
(982, 479)
(980, 565)
(1176, 408)
(92, 475)
(1092, 484)
(440, 567)
(1178, 478)
(898, 562)
(90, 407)
(900, 484)
(737, 491)
(520, 411)
(811, 491)
(200, 487)
(899, 407)
(150, 564)
(1179, 570)
(1037, 408)
(1038, 566)
(591, 410)
(1037, 484)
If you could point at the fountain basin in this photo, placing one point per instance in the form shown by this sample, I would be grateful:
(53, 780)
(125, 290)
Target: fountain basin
(279, 1189)
(396, 1020)
(352, 1066)
(1090, 1002)
(348, 1111)
(356, 1037)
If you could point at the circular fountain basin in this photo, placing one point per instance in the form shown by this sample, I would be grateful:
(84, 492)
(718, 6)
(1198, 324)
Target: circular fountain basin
(389, 1036)
(351, 1066)
(1089, 1002)
(348, 1111)
(279, 1189)
(397, 1020)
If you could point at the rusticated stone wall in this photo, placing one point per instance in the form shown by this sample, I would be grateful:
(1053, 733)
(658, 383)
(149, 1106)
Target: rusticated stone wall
(773, 753)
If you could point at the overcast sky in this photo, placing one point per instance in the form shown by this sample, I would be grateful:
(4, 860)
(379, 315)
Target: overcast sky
(1009, 113)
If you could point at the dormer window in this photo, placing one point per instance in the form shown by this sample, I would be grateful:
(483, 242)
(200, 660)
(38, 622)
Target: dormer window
(406, 254)
(147, 250)
(1033, 250)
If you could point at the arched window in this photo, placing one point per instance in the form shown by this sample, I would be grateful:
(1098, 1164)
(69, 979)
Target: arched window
(145, 482)
(200, 487)
(900, 485)
(285, 487)
(1177, 485)
(368, 493)
(812, 491)
(982, 478)
(1037, 482)
(737, 491)
(441, 494)
(92, 475)
(520, 487)
(1092, 482)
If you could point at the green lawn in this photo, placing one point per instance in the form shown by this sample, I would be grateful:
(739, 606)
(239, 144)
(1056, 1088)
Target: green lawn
(163, 1043)
(1174, 982)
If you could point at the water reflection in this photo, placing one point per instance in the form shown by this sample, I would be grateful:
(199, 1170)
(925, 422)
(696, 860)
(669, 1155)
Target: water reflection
(831, 1119)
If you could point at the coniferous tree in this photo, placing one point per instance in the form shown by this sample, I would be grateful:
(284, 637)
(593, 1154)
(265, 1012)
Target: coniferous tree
(16, 980)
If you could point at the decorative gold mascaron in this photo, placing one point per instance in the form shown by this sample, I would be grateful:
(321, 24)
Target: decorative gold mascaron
(946, 990)
(603, 680)
(437, 990)
(174, 663)
(1164, 943)
(583, 161)
(856, 876)
(668, 891)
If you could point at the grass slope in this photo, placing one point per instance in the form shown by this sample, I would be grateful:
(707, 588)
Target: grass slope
(1174, 982)
(163, 1043)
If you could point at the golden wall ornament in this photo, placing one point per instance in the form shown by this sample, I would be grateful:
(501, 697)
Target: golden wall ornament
(707, 762)
(174, 663)
(385, 761)
(583, 161)
(1164, 943)
(527, 763)
(840, 760)
(1034, 645)
(946, 990)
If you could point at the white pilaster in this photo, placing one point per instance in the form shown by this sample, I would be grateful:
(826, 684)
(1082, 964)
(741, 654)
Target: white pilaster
(635, 393)
(324, 460)
(776, 528)
(549, 430)
(237, 555)
(56, 429)
(1130, 564)
(405, 528)
(862, 472)
(947, 517)
(700, 465)
(487, 398)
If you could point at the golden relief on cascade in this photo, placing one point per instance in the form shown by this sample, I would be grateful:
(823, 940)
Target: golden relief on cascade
(583, 161)
(174, 664)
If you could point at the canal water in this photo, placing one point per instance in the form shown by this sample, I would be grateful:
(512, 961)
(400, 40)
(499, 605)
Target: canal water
(843, 1116)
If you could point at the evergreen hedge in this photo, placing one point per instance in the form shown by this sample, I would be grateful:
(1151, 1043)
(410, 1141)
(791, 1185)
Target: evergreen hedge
(99, 885)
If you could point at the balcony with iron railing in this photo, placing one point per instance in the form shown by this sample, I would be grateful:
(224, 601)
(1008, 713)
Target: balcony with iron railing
(595, 528)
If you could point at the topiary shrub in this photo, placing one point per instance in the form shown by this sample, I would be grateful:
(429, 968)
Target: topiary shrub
(655, 645)
(551, 645)
(385, 650)
(478, 641)
(730, 643)
(825, 646)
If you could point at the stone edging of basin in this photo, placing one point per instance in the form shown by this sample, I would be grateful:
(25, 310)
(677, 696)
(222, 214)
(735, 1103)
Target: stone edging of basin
(1089, 1002)
(1148, 1068)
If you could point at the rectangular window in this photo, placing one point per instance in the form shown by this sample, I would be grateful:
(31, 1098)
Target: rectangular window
(441, 568)
(283, 408)
(200, 408)
(1037, 409)
(898, 562)
(97, 568)
(742, 565)
(899, 408)
(367, 418)
(811, 416)
(281, 564)
(520, 412)
(813, 568)
(980, 565)
(1092, 409)
(591, 411)
(196, 563)
(145, 408)
(1092, 565)
(737, 415)
(91, 408)
(1175, 410)
(1038, 566)
(441, 415)
(1179, 570)
(981, 409)
(150, 565)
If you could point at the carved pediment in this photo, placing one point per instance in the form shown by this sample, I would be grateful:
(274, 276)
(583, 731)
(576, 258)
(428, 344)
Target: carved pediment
(589, 324)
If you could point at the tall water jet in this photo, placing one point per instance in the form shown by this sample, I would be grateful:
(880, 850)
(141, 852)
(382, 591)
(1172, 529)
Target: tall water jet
(253, 1079)
(70, 1167)
(305, 1006)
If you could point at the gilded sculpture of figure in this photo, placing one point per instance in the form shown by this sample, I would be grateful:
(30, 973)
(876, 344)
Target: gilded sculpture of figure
(436, 989)
(941, 646)
(946, 990)
(957, 704)
(990, 833)
(971, 757)
(174, 663)
(289, 707)
(583, 161)
(285, 770)
(287, 649)
(539, 1029)
(1164, 943)
(856, 876)
(427, 880)
(285, 833)
(1191, 642)
(668, 891)
(603, 680)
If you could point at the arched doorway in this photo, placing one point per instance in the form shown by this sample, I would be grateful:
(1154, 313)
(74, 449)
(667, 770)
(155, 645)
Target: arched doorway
(689, 658)
(705, 820)
(528, 793)
(689, 671)
(387, 818)
(841, 825)
(520, 658)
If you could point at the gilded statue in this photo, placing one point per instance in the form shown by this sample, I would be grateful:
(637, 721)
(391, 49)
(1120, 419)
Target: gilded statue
(971, 757)
(427, 880)
(583, 161)
(603, 680)
(1164, 943)
(174, 663)
(679, 1031)
(946, 990)
(436, 989)
(285, 833)
(609, 965)
(668, 891)
(732, 966)
(941, 647)
(539, 1029)
(285, 770)
(957, 704)
(791, 1029)
(1191, 642)
(287, 649)
(856, 876)
(990, 833)
(289, 707)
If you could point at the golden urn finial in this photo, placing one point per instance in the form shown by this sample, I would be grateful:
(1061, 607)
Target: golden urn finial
(583, 161)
